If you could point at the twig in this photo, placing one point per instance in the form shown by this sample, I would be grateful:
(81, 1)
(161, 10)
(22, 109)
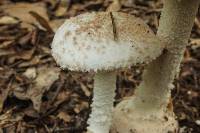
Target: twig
(114, 27)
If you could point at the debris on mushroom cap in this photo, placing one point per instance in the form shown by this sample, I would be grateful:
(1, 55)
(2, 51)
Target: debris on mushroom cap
(104, 41)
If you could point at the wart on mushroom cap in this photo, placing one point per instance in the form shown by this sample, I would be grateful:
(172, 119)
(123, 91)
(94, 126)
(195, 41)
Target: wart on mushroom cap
(87, 42)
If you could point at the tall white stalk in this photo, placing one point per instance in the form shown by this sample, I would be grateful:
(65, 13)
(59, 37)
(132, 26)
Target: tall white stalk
(147, 111)
(175, 27)
(103, 99)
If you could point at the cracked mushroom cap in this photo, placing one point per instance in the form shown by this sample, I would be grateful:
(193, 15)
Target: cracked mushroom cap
(104, 41)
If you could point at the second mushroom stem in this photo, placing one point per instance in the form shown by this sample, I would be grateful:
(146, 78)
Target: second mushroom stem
(175, 27)
(102, 106)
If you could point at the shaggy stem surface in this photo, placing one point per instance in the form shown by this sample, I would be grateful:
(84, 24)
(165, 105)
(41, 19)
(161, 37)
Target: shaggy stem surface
(146, 111)
(175, 27)
(102, 106)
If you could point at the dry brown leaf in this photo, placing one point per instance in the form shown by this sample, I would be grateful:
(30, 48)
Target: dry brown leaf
(44, 49)
(25, 55)
(3, 96)
(31, 112)
(195, 43)
(55, 24)
(21, 11)
(64, 116)
(60, 11)
(4, 92)
(6, 44)
(115, 6)
(6, 52)
(42, 21)
(27, 26)
(45, 78)
(30, 73)
(8, 119)
(53, 3)
(6, 38)
(8, 20)
(62, 96)
(34, 61)
(85, 89)
(25, 39)
(79, 107)
(62, 8)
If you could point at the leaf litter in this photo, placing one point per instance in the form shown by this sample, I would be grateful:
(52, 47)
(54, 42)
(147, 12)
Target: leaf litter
(36, 96)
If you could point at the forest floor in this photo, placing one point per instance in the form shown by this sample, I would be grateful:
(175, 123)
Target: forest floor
(37, 96)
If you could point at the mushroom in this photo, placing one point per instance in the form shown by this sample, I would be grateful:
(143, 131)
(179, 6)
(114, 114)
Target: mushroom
(150, 109)
(104, 42)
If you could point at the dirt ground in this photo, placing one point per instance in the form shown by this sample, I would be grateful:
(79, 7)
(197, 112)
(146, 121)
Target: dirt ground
(36, 96)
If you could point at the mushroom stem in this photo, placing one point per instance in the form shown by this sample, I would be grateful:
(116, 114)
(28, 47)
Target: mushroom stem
(149, 106)
(102, 106)
(175, 27)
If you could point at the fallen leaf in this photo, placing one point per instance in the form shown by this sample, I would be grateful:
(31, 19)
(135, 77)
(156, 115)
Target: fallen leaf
(34, 61)
(45, 78)
(8, 119)
(115, 6)
(27, 26)
(55, 24)
(61, 97)
(31, 112)
(42, 21)
(4, 94)
(62, 8)
(46, 50)
(6, 52)
(64, 116)
(21, 11)
(8, 20)
(195, 43)
(79, 107)
(30, 73)
(6, 44)
(25, 39)
(60, 11)
(85, 89)
(25, 55)
(52, 3)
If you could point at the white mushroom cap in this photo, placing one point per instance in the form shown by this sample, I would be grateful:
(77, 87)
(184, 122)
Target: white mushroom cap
(92, 41)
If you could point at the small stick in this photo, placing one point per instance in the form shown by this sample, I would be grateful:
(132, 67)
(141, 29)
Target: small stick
(114, 27)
